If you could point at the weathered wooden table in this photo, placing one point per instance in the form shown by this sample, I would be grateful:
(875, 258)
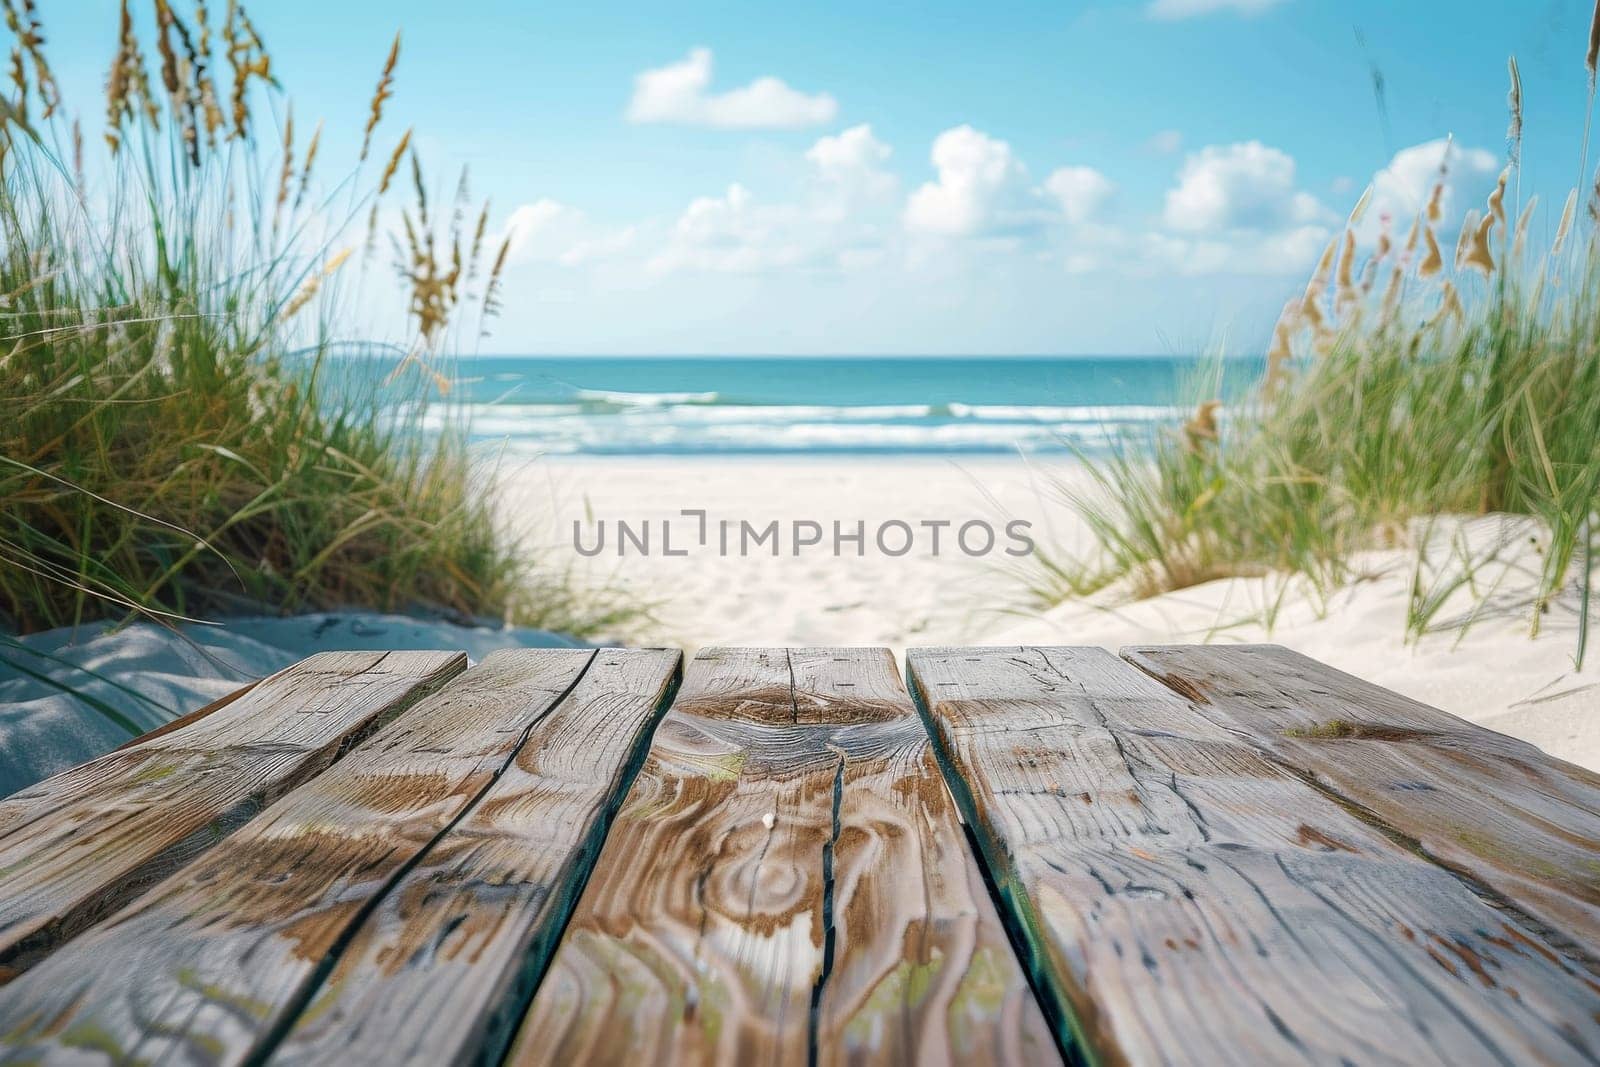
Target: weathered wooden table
(1196, 855)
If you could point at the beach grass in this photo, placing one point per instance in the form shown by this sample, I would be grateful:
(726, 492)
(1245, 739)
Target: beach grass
(182, 439)
(1404, 385)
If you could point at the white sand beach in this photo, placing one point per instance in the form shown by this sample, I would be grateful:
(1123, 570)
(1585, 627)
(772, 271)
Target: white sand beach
(1493, 672)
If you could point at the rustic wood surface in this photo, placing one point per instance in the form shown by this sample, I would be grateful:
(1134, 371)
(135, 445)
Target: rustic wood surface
(786, 882)
(81, 843)
(1492, 807)
(1184, 899)
(444, 968)
(209, 962)
(185, 721)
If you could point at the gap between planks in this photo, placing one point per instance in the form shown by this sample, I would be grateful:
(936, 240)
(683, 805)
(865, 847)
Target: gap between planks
(320, 907)
(1519, 827)
(1145, 848)
(788, 883)
(81, 843)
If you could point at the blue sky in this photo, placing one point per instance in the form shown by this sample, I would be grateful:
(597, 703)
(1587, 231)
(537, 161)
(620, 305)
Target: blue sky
(1129, 176)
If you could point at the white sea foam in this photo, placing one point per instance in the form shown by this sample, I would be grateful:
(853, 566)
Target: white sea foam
(667, 422)
(646, 400)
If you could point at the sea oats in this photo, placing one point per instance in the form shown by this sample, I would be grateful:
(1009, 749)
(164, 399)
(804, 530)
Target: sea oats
(476, 251)
(1369, 277)
(371, 242)
(1478, 254)
(1435, 209)
(394, 162)
(23, 21)
(1497, 198)
(309, 290)
(1411, 238)
(1200, 432)
(1450, 303)
(1464, 241)
(1433, 260)
(1520, 242)
(77, 158)
(19, 79)
(380, 96)
(168, 54)
(205, 83)
(1345, 293)
(491, 292)
(1566, 223)
(420, 189)
(1311, 308)
(310, 161)
(286, 170)
(1391, 296)
(1281, 351)
(1436, 198)
(1514, 106)
(1593, 55)
(128, 85)
(188, 72)
(248, 59)
(1360, 210)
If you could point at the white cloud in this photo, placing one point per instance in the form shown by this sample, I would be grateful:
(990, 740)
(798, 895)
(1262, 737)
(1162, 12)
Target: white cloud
(839, 222)
(1236, 209)
(1165, 142)
(1082, 192)
(1402, 189)
(734, 234)
(1183, 9)
(542, 230)
(848, 172)
(547, 231)
(1286, 252)
(848, 155)
(1246, 186)
(680, 93)
(602, 246)
(982, 187)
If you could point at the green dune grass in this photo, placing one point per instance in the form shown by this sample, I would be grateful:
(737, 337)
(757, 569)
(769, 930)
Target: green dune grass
(179, 438)
(1405, 384)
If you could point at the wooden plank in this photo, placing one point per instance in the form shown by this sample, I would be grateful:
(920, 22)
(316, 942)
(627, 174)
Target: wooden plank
(214, 959)
(183, 721)
(83, 842)
(38, 800)
(446, 965)
(1186, 900)
(787, 881)
(1492, 807)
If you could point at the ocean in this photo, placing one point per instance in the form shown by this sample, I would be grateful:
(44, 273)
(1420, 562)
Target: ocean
(799, 405)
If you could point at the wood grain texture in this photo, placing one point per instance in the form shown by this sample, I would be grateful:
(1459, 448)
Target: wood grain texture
(1490, 806)
(81, 843)
(786, 882)
(1187, 900)
(209, 962)
(185, 721)
(443, 969)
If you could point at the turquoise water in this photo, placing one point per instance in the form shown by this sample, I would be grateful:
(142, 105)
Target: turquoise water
(903, 405)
